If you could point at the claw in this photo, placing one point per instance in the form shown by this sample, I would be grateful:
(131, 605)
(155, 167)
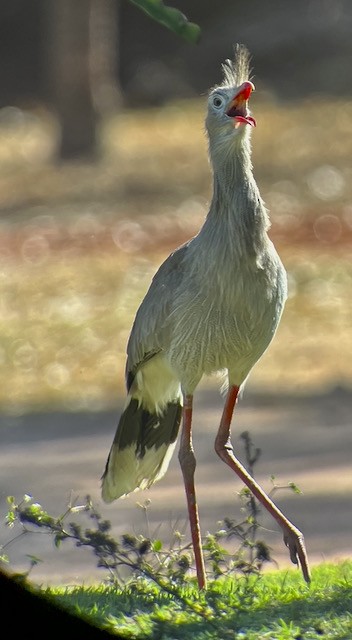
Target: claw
(294, 541)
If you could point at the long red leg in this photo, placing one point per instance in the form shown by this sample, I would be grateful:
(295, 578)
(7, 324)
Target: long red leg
(188, 466)
(293, 538)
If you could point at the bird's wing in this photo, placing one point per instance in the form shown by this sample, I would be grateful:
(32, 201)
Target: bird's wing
(150, 333)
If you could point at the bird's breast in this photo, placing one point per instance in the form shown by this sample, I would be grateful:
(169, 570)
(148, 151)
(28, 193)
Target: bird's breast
(225, 325)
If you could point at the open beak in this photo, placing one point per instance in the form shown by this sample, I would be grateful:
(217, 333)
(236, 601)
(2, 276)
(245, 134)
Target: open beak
(238, 106)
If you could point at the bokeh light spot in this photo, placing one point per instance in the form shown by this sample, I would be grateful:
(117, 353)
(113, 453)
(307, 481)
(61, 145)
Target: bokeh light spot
(326, 182)
(35, 249)
(24, 355)
(327, 228)
(129, 236)
(56, 375)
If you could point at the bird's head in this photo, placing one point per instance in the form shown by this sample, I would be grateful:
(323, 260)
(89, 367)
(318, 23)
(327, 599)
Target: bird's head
(228, 120)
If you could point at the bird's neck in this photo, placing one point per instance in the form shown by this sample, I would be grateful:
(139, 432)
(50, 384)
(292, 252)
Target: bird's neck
(232, 174)
(237, 215)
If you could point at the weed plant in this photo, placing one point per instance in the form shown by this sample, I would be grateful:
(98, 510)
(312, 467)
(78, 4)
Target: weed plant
(132, 557)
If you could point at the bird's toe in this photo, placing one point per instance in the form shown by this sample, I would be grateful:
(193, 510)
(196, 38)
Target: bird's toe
(294, 540)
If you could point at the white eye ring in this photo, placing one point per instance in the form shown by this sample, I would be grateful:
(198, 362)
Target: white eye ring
(218, 102)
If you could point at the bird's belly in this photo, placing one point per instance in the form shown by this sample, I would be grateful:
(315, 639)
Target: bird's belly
(223, 336)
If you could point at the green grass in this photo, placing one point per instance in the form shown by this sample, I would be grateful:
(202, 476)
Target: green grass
(275, 606)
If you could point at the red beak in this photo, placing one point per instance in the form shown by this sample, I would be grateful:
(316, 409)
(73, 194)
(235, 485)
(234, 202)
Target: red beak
(238, 105)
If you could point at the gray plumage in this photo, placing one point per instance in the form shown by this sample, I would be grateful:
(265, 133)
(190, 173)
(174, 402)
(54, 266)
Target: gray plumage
(214, 304)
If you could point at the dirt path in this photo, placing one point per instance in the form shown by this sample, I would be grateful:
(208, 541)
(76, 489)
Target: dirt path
(305, 440)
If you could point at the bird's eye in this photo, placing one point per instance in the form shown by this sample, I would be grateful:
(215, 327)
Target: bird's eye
(218, 101)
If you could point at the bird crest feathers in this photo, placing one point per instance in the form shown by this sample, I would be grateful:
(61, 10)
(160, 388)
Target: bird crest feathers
(237, 71)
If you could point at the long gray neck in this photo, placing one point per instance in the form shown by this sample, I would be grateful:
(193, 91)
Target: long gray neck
(237, 219)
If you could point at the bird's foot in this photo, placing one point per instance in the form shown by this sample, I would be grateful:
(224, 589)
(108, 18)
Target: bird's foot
(294, 540)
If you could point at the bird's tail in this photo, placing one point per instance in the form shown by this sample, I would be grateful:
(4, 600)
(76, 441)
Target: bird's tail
(142, 448)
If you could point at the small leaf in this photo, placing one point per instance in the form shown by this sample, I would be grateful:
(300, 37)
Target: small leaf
(36, 508)
(157, 545)
(294, 488)
(184, 562)
(57, 540)
(129, 541)
(144, 547)
(78, 508)
(10, 519)
(33, 560)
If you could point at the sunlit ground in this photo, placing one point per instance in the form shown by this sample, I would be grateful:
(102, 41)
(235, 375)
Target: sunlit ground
(79, 244)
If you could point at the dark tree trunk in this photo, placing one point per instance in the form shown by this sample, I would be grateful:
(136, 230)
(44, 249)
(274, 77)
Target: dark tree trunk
(81, 51)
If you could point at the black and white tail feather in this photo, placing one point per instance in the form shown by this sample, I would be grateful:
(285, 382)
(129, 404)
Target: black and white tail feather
(146, 434)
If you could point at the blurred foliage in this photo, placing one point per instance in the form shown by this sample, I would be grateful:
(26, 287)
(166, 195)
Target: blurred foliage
(80, 243)
(171, 18)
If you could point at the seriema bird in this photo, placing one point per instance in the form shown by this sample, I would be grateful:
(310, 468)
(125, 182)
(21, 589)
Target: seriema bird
(214, 304)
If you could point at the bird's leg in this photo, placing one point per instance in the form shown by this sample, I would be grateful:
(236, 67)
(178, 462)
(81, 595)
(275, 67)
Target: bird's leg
(188, 465)
(293, 538)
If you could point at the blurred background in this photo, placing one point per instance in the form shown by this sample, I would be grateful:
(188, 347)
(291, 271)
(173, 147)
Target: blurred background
(103, 171)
